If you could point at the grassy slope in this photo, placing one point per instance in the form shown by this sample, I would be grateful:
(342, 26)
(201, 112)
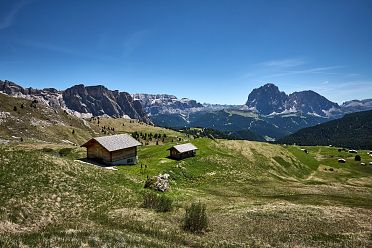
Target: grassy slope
(353, 131)
(130, 126)
(39, 124)
(257, 194)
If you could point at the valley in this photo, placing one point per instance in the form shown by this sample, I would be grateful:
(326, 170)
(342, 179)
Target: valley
(256, 194)
(176, 124)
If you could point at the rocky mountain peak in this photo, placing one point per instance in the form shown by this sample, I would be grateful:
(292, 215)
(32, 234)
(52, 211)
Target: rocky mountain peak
(82, 100)
(310, 102)
(267, 99)
(98, 100)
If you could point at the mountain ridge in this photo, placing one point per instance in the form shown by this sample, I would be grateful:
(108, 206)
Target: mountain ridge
(268, 112)
(80, 100)
(269, 100)
(352, 131)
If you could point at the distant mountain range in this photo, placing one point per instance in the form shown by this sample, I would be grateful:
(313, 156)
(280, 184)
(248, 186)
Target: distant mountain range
(155, 104)
(268, 100)
(356, 106)
(352, 131)
(82, 101)
(268, 112)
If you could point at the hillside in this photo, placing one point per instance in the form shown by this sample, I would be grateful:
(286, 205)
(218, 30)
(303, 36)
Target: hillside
(250, 189)
(33, 121)
(233, 120)
(352, 131)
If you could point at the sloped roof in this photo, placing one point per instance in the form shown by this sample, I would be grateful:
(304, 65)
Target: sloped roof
(184, 147)
(115, 142)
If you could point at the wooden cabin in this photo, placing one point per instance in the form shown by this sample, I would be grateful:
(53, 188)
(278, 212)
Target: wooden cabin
(182, 151)
(113, 150)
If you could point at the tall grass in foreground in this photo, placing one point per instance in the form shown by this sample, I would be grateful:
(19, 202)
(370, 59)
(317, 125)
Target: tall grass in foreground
(196, 219)
(161, 203)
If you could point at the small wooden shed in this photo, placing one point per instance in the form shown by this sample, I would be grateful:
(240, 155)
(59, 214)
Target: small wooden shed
(113, 149)
(182, 151)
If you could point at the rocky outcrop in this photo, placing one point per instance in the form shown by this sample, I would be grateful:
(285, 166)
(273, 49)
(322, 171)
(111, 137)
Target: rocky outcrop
(98, 100)
(356, 106)
(162, 103)
(49, 96)
(82, 100)
(160, 182)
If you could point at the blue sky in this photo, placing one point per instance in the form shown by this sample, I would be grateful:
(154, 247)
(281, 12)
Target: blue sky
(212, 51)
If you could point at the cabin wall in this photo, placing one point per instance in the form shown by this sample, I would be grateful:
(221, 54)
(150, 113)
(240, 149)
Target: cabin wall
(96, 151)
(124, 153)
(125, 156)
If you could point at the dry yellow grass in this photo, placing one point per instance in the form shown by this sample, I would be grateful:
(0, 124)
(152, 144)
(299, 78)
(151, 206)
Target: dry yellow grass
(129, 126)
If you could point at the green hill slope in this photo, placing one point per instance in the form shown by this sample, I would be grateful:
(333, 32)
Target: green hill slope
(22, 119)
(250, 189)
(352, 131)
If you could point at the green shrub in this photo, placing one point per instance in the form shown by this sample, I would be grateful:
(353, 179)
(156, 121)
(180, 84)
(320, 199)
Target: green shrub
(47, 149)
(164, 203)
(65, 151)
(161, 203)
(150, 199)
(358, 158)
(196, 219)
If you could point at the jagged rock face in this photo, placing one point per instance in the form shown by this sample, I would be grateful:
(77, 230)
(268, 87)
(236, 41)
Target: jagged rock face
(98, 100)
(267, 99)
(49, 96)
(90, 100)
(356, 106)
(10, 88)
(161, 103)
(310, 102)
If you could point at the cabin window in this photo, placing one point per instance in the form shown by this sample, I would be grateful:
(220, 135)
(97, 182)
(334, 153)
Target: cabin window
(130, 160)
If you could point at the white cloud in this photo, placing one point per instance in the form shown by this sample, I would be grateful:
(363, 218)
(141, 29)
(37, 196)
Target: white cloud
(134, 40)
(8, 19)
(284, 63)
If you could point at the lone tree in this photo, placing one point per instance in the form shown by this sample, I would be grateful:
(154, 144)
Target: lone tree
(15, 108)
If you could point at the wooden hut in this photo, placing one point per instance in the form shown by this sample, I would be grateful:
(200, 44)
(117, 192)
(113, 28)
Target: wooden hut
(113, 149)
(182, 151)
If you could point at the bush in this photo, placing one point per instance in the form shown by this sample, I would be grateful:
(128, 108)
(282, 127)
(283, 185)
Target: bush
(47, 149)
(150, 199)
(358, 158)
(65, 151)
(161, 203)
(196, 218)
(164, 203)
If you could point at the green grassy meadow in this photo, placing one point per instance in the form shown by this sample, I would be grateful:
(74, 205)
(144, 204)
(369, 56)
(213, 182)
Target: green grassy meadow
(257, 195)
